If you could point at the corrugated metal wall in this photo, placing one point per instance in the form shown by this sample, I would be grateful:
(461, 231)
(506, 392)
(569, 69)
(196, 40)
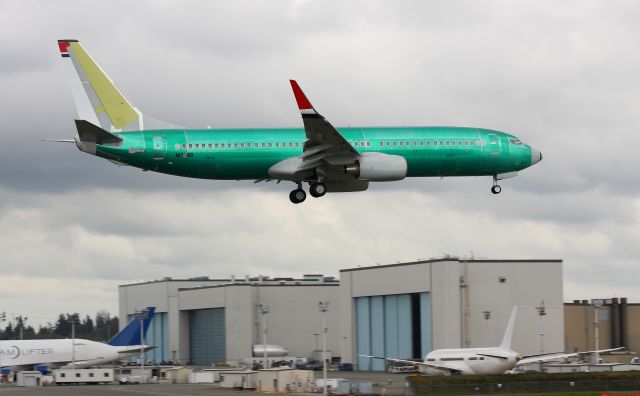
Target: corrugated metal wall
(207, 336)
(158, 335)
(384, 327)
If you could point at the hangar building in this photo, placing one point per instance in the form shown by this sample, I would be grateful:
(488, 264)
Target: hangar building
(399, 310)
(204, 321)
(409, 309)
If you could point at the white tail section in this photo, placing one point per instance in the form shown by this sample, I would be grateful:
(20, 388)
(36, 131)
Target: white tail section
(508, 334)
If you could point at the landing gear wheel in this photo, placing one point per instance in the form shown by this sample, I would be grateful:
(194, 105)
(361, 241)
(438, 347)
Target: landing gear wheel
(317, 189)
(496, 189)
(298, 195)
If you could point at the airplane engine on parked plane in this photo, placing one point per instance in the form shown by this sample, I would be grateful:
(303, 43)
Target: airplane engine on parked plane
(378, 167)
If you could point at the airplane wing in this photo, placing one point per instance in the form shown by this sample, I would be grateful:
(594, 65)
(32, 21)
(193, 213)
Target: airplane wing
(319, 131)
(549, 357)
(493, 356)
(325, 155)
(443, 367)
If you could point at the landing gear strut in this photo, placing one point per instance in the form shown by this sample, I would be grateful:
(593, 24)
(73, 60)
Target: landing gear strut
(496, 188)
(317, 189)
(298, 195)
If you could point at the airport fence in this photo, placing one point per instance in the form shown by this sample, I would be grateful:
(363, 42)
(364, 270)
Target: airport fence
(617, 382)
(623, 386)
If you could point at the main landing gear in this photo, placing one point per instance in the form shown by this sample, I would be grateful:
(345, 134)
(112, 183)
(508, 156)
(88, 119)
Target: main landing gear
(316, 189)
(298, 195)
(496, 188)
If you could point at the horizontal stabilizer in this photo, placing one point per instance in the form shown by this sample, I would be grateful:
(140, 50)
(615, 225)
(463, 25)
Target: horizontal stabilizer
(136, 348)
(94, 134)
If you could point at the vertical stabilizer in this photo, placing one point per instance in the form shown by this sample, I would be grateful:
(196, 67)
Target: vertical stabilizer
(508, 334)
(97, 98)
(130, 334)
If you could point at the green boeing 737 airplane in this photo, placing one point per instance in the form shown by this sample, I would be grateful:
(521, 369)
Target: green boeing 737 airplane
(328, 159)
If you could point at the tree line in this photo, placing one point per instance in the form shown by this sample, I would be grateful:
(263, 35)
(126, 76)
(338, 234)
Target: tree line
(100, 328)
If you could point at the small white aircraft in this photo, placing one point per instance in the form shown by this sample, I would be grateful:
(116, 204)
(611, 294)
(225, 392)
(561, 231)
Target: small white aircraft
(271, 350)
(495, 360)
(25, 354)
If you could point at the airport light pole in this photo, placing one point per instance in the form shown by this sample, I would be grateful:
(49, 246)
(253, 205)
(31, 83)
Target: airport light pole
(597, 303)
(487, 316)
(542, 311)
(73, 343)
(22, 320)
(3, 318)
(141, 315)
(264, 310)
(324, 307)
(108, 318)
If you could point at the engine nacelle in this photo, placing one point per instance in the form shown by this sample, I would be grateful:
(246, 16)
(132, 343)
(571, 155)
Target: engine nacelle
(378, 167)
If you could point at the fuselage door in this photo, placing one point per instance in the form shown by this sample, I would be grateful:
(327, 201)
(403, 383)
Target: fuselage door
(493, 145)
(159, 147)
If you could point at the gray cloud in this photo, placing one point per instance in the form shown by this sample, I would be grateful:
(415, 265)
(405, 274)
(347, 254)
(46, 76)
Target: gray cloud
(559, 75)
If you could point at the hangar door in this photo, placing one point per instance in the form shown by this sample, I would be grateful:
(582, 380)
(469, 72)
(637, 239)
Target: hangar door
(397, 326)
(207, 336)
(157, 334)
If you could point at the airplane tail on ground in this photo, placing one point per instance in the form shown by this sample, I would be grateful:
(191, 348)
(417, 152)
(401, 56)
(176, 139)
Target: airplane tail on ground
(508, 334)
(130, 334)
(97, 98)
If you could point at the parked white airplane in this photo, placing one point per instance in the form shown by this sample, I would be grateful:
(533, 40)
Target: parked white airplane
(494, 360)
(25, 354)
(272, 350)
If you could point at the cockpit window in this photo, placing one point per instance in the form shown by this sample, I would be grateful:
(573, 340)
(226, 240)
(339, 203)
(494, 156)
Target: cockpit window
(517, 142)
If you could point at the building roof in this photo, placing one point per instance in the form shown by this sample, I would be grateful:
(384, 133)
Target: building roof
(455, 259)
(306, 280)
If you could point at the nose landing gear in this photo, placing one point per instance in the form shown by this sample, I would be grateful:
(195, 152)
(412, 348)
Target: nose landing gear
(496, 189)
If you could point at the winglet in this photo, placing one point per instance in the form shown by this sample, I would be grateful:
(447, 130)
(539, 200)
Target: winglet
(303, 103)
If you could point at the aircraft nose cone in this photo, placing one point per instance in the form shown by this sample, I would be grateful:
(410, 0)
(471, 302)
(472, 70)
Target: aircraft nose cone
(536, 156)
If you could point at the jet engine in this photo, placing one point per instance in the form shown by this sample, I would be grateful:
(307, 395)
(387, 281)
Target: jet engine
(378, 167)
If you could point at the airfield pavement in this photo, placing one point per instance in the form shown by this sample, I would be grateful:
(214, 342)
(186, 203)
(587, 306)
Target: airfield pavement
(393, 384)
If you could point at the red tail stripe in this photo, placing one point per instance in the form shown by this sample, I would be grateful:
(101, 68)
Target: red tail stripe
(301, 99)
(64, 46)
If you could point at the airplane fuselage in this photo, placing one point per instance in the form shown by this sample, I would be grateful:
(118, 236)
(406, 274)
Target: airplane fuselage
(237, 154)
(472, 360)
(60, 352)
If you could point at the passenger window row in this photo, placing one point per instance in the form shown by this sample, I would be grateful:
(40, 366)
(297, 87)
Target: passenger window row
(451, 359)
(198, 146)
(361, 143)
(434, 143)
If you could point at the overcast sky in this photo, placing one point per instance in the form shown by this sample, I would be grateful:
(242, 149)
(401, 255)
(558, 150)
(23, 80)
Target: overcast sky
(561, 75)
